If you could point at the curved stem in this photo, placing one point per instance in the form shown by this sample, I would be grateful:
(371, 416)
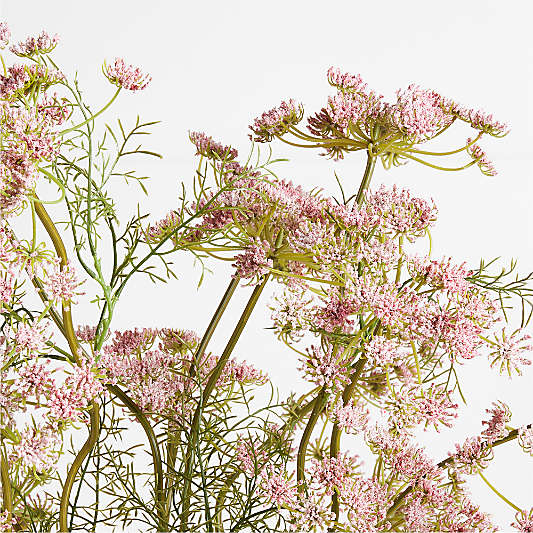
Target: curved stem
(211, 383)
(154, 448)
(62, 254)
(498, 493)
(302, 449)
(94, 433)
(92, 117)
(66, 327)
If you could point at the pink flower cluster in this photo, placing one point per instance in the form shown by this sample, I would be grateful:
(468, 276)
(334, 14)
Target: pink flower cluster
(126, 76)
(356, 117)
(486, 166)
(276, 121)
(498, 422)
(42, 44)
(5, 35)
(509, 351)
(254, 262)
(352, 417)
(62, 284)
(210, 148)
(155, 366)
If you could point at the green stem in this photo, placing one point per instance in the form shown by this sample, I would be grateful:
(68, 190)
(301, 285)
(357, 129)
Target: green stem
(211, 383)
(302, 449)
(367, 176)
(498, 493)
(154, 448)
(92, 117)
(67, 328)
(94, 432)
(214, 323)
(62, 254)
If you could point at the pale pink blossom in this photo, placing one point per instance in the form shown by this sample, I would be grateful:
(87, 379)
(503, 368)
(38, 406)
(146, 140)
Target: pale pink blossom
(276, 121)
(381, 351)
(510, 351)
(126, 76)
(5, 35)
(208, 147)
(442, 274)
(312, 514)
(37, 449)
(42, 44)
(524, 521)
(479, 155)
(472, 456)
(419, 114)
(352, 417)
(345, 80)
(31, 338)
(332, 473)
(163, 228)
(525, 438)
(254, 262)
(497, 424)
(34, 380)
(61, 283)
(277, 488)
(326, 367)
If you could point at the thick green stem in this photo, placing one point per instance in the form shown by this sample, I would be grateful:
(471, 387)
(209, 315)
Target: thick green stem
(211, 383)
(321, 399)
(367, 176)
(94, 433)
(336, 432)
(66, 327)
(62, 254)
(214, 323)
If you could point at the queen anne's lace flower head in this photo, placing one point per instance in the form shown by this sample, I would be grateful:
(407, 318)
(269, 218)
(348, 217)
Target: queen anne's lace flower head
(126, 76)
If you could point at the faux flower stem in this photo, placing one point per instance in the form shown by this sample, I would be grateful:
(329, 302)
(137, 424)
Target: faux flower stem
(302, 449)
(214, 323)
(335, 442)
(367, 176)
(67, 329)
(62, 254)
(94, 433)
(211, 383)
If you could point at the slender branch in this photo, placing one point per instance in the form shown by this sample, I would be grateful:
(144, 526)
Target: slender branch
(233, 284)
(211, 383)
(302, 449)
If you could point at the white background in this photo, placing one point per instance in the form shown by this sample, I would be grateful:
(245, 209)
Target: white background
(216, 65)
